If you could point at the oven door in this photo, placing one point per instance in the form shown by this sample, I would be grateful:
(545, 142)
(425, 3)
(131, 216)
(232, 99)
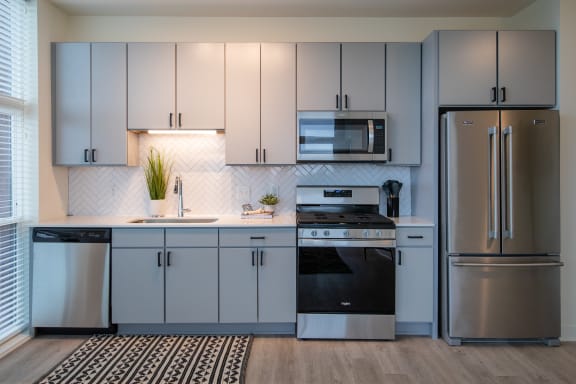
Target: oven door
(325, 136)
(351, 277)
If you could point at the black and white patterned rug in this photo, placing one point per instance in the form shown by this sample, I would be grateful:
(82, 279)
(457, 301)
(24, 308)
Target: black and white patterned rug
(114, 359)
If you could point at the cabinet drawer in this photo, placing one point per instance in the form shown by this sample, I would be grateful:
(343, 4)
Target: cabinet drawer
(416, 236)
(138, 238)
(191, 237)
(258, 237)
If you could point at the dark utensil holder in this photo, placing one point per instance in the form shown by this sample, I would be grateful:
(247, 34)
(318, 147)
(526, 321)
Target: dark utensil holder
(393, 207)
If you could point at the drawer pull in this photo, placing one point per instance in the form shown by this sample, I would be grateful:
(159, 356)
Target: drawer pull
(415, 236)
(257, 237)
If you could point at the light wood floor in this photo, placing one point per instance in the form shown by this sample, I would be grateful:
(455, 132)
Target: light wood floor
(407, 360)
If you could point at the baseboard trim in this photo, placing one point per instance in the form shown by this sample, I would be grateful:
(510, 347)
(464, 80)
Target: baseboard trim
(13, 343)
(209, 329)
(568, 333)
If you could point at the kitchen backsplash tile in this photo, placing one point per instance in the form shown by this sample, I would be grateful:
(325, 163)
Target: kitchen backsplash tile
(209, 185)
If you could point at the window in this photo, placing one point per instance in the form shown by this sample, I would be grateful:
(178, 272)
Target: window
(17, 165)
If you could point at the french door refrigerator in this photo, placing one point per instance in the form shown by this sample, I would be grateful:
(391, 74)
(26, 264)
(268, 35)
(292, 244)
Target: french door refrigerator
(500, 242)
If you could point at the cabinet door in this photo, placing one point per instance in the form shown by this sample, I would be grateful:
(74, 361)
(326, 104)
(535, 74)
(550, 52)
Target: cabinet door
(277, 285)
(318, 72)
(467, 67)
(191, 285)
(238, 285)
(278, 103)
(403, 100)
(200, 86)
(137, 285)
(109, 134)
(71, 103)
(151, 85)
(243, 103)
(527, 67)
(363, 76)
(414, 284)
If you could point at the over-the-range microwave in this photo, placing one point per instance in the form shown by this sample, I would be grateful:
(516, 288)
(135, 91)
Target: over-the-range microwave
(342, 136)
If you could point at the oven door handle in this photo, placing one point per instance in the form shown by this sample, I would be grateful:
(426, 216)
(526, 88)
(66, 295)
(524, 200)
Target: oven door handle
(347, 243)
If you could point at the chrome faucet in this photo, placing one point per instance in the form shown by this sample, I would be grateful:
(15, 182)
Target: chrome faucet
(178, 190)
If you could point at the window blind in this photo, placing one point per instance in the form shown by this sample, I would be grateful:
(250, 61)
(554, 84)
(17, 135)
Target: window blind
(17, 164)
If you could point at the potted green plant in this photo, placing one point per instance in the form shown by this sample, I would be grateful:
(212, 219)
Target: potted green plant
(157, 171)
(268, 202)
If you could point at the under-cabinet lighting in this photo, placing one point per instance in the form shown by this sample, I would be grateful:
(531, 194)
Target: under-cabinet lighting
(182, 132)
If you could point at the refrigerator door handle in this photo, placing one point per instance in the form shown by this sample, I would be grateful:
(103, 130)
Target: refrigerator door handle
(492, 184)
(508, 265)
(508, 230)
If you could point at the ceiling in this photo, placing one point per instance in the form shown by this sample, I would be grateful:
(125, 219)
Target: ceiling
(294, 8)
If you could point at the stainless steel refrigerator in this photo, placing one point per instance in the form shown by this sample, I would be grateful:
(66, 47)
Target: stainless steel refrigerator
(500, 225)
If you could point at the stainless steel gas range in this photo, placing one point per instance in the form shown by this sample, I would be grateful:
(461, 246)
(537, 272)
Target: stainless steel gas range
(346, 267)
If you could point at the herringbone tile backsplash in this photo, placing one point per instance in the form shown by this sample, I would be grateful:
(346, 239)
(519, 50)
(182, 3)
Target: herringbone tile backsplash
(209, 185)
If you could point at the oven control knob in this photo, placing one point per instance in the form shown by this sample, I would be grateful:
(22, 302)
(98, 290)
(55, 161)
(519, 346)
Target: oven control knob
(365, 233)
(314, 233)
(346, 233)
(378, 233)
(326, 233)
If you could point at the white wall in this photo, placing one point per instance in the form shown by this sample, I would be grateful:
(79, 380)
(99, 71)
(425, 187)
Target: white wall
(265, 29)
(53, 181)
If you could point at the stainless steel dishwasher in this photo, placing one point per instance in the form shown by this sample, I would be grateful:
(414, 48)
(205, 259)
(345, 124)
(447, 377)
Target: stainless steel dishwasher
(71, 277)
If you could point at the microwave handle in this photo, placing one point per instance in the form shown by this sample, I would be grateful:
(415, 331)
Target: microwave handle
(370, 136)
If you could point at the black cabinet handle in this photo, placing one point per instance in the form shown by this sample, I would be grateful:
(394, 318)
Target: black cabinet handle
(503, 90)
(171, 116)
(389, 154)
(253, 263)
(493, 95)
(256, 154)
(399, 257)
(158, 258)
(86, 159)
(257, 237)
(93, 155)
(415, 236)
(180, 119)
(261, 257)
(264, 155)
(168, 254)
(346, 101)
(337, 102)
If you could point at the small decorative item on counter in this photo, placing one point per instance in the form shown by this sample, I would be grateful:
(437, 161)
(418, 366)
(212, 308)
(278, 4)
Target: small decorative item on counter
(269, 202)
(157, 171)
(391, 189)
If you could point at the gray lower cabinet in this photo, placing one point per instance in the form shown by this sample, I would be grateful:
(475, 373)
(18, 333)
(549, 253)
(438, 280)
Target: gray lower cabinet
(258, 275)
(164, 275)
(415, 275)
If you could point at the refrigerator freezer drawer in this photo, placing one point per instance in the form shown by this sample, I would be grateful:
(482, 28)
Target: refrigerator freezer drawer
(504, 297)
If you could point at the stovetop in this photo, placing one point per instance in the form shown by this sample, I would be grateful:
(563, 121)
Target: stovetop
(349, 220)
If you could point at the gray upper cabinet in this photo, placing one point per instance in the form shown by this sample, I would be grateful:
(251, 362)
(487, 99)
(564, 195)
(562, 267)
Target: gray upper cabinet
(497, 68)
(151, 85)
(333, 76)
(403, 102)
(175, 86)
(260, 103)
(89, 105)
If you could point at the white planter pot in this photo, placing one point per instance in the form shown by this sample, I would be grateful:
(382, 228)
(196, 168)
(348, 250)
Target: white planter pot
(156, 208)
(269, 208)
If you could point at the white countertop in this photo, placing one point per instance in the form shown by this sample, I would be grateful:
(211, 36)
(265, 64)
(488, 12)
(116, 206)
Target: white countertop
(412, 221)
(233, 221)
(126, 221)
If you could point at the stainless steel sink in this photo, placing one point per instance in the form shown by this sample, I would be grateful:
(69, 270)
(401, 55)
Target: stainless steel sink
(175, 220)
